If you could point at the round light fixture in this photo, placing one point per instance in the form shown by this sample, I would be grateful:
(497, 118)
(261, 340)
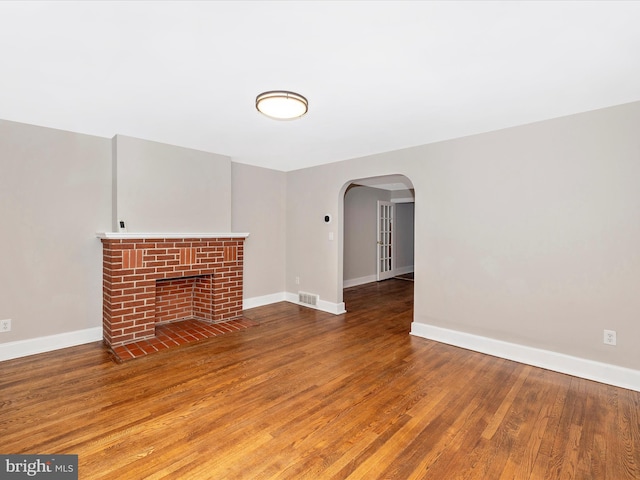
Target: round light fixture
(282, 105)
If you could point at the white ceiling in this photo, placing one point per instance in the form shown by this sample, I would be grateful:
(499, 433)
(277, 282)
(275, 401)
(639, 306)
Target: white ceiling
(379, 75)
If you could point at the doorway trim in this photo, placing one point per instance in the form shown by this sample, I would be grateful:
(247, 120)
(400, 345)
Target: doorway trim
(385, 240)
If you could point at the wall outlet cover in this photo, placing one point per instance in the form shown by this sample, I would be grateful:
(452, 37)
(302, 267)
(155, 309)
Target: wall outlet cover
(5, 325)
(609, 337)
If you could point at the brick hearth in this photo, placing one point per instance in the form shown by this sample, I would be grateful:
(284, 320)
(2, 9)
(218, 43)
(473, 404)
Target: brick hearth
(174, 334)
(148, 282)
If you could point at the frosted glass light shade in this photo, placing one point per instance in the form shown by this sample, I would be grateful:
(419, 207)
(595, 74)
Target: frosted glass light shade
(282, 105)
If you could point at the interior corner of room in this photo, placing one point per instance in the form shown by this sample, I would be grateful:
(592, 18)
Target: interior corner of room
(529, 263)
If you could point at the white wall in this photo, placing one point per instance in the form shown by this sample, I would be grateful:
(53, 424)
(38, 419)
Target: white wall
(55, 194)
(165, 188)
(528, 235)
(258, 207)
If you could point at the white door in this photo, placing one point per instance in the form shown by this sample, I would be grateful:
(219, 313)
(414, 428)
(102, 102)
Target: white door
(386, 264)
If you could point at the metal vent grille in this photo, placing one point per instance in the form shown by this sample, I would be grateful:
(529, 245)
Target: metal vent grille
(308, 298)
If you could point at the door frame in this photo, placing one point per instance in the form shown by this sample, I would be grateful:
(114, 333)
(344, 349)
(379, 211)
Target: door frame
(385, 240)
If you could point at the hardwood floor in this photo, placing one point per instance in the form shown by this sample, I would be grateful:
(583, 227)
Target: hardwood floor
(309, 395)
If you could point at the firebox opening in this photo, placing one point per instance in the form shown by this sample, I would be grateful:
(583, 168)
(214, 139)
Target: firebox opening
(184, 298)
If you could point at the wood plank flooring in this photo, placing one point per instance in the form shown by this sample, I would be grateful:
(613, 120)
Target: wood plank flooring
(309, 395)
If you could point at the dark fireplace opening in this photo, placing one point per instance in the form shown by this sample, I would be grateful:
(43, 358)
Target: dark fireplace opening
(184, 298)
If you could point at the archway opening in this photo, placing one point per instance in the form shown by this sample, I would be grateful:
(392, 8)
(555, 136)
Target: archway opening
(363, 248)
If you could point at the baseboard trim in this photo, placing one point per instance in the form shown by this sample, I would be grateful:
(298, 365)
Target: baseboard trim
(557, 362)
(329, 307)
(403, 270)
(33, 346)
(263, 300)
(354, 282)
(334, 308)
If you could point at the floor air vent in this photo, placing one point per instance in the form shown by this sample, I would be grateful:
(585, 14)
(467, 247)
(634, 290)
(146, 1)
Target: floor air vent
(308, 298)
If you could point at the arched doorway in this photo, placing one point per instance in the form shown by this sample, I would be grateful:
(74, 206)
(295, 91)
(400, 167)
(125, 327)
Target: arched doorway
(361, 240)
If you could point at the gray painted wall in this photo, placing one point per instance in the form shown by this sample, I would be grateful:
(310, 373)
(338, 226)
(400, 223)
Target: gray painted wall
(55, 194)
(405, 218)
(528, 234)
(360, 232)
(165, 188)
(259, 197)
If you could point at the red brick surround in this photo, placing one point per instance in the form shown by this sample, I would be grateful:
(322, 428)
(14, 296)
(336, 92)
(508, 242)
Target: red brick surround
(147, 281)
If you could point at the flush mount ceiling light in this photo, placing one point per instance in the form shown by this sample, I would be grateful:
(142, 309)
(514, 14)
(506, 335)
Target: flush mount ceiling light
(282, 105)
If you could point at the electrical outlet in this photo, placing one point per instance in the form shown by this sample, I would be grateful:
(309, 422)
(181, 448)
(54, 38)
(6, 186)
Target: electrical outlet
(610, 337)
(297, 280)
(5, 325)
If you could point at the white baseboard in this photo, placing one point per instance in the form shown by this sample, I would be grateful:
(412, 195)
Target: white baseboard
(557, 362)
(334, 308)
(403, 270)
(329, 307)
(33, 346)
(263, 300)
(354, 282)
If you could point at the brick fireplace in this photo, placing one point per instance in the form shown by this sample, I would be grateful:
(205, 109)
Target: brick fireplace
(154, 279)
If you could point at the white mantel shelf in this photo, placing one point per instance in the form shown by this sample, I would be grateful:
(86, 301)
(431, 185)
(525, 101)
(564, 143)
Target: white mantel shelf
(142, 235)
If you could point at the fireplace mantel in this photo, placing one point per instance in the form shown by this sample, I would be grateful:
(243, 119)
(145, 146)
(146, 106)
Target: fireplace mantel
(174, 235)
